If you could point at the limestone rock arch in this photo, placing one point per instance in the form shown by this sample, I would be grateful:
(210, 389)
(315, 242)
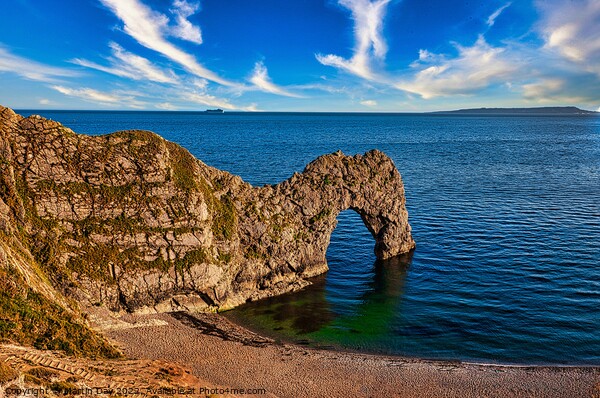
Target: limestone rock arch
(303, 212)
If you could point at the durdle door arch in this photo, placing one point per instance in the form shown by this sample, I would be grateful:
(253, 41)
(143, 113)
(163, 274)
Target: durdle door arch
(135, 222)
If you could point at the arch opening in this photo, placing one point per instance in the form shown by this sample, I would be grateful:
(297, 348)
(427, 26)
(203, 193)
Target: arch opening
(351, 261)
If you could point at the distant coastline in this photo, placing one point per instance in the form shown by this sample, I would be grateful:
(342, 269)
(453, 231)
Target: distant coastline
(547, 110)
(539, 111)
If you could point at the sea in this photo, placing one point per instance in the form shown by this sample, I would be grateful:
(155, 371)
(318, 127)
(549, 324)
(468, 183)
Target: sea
(505, 212)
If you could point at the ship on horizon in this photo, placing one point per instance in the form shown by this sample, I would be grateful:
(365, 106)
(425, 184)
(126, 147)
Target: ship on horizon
(219, 110)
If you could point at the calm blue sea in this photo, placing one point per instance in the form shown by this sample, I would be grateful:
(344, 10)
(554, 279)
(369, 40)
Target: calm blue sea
(505, 211)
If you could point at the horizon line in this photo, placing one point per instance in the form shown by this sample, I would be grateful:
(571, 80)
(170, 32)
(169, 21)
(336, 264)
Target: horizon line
(318, 112)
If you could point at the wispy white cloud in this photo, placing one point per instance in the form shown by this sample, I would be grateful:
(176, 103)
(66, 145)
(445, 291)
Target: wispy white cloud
(474, 68)
(492, 18)
(207, 100)
(203, 98)
(260, 78)
(185, 29)
(129, 65)
(30, 69)
(370, 103)
(543, 88)
(150, 28)
(157, 96)
(253, 107)
(519, 68)
(88, 94)
(328, 88)
(370, 44)
(166, 106)
(572, 29)
(113, 99)
(566, 89)
(199, 83)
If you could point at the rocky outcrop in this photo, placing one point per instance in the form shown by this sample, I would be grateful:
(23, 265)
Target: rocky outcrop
(132, 221)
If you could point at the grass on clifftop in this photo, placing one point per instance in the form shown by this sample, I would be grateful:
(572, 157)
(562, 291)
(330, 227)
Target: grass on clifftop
(183, 167)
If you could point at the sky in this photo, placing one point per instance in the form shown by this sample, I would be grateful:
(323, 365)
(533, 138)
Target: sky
(299, 55)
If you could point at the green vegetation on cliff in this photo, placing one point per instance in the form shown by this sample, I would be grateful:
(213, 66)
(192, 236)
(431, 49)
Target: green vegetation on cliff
(29, 318)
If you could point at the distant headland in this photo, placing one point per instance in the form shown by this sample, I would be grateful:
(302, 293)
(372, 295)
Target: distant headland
(546, 110)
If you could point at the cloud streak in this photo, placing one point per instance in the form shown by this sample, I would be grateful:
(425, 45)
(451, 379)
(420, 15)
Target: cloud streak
(31, 70)
(88, 94)
(150, 28)
(492, 18)
(129, 65)
(370, 103)
(572, 30)
(184, 29)
(474, 69)
(208, 100)
(564, 90)
(260, 78)
(369, 42)
(565, 69)
(543, 88)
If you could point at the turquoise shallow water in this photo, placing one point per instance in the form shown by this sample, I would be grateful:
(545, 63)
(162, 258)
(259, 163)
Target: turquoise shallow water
(504, 210)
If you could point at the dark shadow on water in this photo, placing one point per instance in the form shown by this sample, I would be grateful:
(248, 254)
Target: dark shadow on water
(302, 312)
(390, 276)
(322, 314)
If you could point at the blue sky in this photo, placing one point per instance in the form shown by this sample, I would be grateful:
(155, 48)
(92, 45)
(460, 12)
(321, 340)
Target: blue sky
(299, 55)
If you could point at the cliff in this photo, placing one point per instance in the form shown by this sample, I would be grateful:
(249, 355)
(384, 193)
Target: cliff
(131, 221)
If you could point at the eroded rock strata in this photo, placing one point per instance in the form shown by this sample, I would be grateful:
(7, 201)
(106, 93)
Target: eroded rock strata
(132, 221)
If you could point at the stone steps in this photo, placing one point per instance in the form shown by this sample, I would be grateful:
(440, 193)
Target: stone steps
(58, 365)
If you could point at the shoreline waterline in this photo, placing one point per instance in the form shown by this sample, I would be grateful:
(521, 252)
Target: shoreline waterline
(278, 340)
(223, 352)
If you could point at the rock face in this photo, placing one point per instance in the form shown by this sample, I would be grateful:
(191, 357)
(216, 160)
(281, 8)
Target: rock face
(132, 221)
